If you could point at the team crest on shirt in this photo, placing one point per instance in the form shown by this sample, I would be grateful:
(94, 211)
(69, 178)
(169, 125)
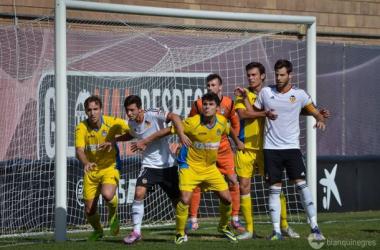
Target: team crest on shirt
(218, 132)
(104, 133)
(222, 111)
(147, 124)
(292, 98)
(144, 181)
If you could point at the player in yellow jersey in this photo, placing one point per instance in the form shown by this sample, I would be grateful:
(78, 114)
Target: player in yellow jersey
(197, 164)
(101, 167)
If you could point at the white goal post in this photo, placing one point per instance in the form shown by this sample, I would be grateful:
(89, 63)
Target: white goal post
(61, 6)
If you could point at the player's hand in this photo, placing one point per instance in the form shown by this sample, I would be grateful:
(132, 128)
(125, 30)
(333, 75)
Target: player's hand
(107, 144)
(141, 144)
(271, 114)
(89, 166)
(240, 146)
(241, 92)
(320, 125)
(185, 140)
(325, 113)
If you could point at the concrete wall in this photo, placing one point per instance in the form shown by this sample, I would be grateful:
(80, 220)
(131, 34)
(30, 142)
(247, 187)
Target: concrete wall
(337, 16)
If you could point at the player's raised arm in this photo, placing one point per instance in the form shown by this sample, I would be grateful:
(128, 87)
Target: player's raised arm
(249, 112)
(178, 125)
(141, 144)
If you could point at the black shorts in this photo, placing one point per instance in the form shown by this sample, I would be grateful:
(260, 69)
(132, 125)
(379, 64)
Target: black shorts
(275, 161)
(166, 178)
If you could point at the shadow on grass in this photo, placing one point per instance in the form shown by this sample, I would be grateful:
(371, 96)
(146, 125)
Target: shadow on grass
(371, 230)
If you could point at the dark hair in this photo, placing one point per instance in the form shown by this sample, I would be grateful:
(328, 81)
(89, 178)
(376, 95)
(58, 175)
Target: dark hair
(93, 98)
(132, 99)
(214, 76)
(211, 97)
(283, 63)
(258, 65)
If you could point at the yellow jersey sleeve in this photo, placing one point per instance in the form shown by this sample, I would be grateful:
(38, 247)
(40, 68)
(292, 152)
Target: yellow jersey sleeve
(80, 133)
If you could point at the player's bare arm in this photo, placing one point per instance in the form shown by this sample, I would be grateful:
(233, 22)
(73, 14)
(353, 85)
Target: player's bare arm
(239, 144)
(141, 144)
(178, 125)
(110, 144)
(324, 112)
(81, 156)
(320, 119)
(251, 112)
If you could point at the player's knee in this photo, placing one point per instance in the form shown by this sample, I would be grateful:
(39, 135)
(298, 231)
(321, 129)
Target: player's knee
(226, 200)
(244, 188)
(108, 196)
(139, 195)
(185, 200)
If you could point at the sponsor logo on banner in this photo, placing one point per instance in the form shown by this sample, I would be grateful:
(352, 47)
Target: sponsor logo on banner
(330, 188)
(176, 92)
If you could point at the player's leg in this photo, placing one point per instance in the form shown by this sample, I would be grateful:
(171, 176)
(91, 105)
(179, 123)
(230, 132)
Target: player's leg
(91, 191)
(225, 164)
(286, 230)
(214, 181)
(194, 206)
(295, 167)
(109, 182)
(244, 166)
(225, 210)
(188, 180)
(181, 213)
(273, 173)
(146, 180)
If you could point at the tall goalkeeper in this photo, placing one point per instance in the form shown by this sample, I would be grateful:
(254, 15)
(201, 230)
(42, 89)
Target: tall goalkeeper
(101, 167)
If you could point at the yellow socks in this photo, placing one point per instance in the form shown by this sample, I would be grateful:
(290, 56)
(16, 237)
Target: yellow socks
(246, 208)
(284, 222)
(181, 213)
(112, 207)
(225, 214)
(94, 220)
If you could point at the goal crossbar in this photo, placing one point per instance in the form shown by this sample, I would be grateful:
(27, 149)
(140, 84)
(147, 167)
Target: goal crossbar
(61, 6)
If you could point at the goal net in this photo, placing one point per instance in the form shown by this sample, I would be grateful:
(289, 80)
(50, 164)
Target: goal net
(163, 60)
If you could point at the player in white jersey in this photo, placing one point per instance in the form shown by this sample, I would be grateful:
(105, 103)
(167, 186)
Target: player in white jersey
(281, 143)
(158, 165)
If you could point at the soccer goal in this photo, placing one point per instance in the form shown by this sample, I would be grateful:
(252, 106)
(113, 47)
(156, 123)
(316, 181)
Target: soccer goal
(112, 50)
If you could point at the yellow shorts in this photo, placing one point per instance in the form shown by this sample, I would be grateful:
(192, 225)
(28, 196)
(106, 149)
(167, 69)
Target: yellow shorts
(93, 181)
(245, 163)
(213, 180)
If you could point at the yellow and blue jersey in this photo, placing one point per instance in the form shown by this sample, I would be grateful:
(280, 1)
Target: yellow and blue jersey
(251, 130)
(89, 138)
(201, 156)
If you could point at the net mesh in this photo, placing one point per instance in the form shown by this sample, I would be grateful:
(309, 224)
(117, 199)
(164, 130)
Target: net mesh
(163, 60)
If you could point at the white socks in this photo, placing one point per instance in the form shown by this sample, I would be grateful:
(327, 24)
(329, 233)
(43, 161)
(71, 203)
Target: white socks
(137, 215)
(307, 202)
(275, 207)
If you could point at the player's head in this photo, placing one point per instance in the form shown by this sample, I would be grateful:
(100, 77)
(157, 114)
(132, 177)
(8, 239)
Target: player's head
(214, 83)
(210, 104)
(255, 74)
(133, 107)
(93, 108)
(283, 71)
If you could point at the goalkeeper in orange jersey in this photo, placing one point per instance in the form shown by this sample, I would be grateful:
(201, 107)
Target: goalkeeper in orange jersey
(225, 159)
(101, 167)
(197, 164)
